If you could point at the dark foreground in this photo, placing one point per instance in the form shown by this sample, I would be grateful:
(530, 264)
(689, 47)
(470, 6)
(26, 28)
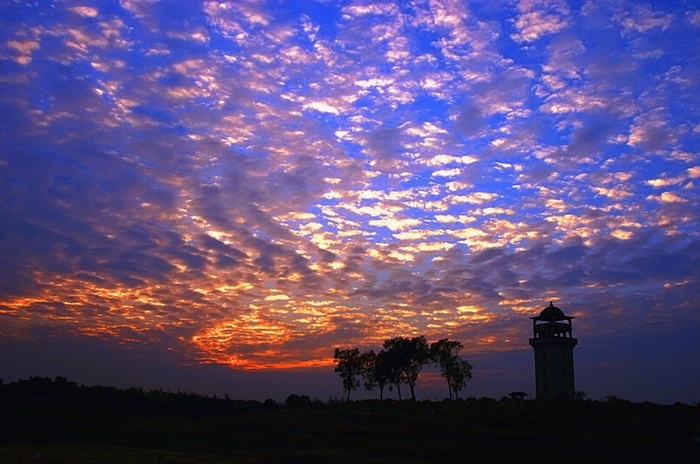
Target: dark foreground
(471, 431)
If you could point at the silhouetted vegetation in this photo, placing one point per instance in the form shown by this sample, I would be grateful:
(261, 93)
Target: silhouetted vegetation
(349, 367)
(399, 363)
(295, 400)
(445, 354)
(58, 421)
(62, 393)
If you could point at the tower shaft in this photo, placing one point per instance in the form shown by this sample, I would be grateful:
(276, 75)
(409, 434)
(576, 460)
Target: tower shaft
(554, 344)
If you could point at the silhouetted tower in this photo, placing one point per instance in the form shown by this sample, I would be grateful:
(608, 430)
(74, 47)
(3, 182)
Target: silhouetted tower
(554, 353)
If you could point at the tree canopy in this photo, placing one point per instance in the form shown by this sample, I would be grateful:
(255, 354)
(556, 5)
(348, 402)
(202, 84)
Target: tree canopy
(444, 354)
(400, 362)
(349, 367)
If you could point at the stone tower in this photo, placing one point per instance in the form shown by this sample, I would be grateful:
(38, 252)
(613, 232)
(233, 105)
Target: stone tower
(554, 353)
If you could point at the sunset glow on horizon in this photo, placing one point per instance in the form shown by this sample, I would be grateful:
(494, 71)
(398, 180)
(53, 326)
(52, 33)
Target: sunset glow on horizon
(254, 183)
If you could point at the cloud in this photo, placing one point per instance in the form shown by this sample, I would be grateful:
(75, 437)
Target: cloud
(86, 11)
(251, 183)
(322, 106)
(23, 50)
(539, 18)
(643, 19)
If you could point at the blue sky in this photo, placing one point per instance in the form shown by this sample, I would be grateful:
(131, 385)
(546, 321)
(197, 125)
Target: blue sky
(240, 187)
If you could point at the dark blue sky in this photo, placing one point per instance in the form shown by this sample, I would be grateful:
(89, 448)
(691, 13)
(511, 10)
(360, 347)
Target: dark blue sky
(198, 191)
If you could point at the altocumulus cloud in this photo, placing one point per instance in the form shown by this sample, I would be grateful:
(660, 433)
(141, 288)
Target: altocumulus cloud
(255, 183)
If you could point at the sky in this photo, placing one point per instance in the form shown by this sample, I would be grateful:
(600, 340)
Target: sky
(212, 196)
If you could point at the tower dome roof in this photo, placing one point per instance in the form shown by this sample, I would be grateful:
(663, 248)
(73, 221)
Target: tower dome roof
(552, 313)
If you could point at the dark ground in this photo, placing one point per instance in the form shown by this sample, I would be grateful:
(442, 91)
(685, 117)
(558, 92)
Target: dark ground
(156, 427)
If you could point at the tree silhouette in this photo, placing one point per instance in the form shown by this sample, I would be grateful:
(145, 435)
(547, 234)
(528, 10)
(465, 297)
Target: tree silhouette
(445, 355)
(371, 372)
(392, 360)
(462, 373)
(399, 362)
(294, 400)
(349, 366)
(383, 373)
(407, 356)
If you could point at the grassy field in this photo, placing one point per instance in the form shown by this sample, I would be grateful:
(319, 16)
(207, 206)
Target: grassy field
(471, 431)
